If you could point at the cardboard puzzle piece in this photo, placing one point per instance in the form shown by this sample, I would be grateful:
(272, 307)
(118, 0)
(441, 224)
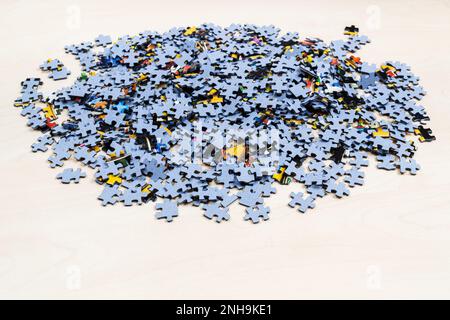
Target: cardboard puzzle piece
(70, 175)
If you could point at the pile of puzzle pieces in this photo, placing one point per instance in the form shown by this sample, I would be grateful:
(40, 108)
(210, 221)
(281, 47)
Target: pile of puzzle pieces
(128, 114)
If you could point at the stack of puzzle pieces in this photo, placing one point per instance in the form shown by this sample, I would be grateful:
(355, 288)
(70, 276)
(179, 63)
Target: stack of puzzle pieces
(210, 116)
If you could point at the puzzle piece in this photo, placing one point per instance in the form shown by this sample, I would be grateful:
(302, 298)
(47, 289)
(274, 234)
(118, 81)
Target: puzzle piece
(214, 211)
(103, 40)
(70, 175)
(410, 165)
(51, 64)
(303, 203)
(168, 210)
(338, 188)
(257, 213)
(59, 74)
(110, 195)
(425, 134)
(354, 177)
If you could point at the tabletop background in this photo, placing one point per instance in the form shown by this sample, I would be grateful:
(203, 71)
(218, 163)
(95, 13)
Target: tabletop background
(389, 239)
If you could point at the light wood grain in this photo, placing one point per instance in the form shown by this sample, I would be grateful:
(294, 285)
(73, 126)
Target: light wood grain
(389, 239)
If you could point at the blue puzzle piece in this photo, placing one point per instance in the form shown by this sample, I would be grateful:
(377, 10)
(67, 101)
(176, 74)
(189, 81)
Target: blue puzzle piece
(168, 210)
(69, 175)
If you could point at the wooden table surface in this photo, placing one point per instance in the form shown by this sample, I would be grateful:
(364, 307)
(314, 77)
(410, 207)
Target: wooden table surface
(389, 239)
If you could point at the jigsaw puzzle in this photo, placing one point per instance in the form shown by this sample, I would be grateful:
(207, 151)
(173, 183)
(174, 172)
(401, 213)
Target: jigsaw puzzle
(212, 116)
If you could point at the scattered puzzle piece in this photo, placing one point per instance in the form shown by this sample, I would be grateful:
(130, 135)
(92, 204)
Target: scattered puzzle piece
(168, 210)
(69, 175)
(303, 203)
(257, 213)
(214, 211)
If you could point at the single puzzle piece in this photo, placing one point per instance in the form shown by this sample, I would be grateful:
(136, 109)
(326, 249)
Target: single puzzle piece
(103, 40)
(214, 211)
(70, 175)
(338, 188)
(59, 74)
(257, 213)
(109, 195)
(51, 64)
(425, 134)
(303, 203)
(354, 177)
(42, 143)
(386, 162)
(168, 210)
(410, 165)
(250, 198)
(131, 195)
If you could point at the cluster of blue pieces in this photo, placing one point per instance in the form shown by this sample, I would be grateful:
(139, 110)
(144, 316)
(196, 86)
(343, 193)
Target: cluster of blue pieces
(127, 117)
